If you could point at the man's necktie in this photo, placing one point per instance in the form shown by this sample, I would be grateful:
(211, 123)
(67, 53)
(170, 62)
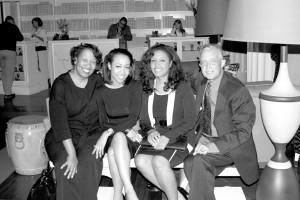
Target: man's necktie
(206, 123)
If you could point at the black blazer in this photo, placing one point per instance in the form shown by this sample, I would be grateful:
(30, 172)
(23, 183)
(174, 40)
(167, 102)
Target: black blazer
(183, 115)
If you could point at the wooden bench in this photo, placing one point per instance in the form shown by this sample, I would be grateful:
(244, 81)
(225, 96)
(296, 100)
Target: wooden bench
(224, 193)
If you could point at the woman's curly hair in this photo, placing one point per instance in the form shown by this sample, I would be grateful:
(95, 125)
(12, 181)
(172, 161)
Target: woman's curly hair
(38, 20)
(175, 74)
(77, 50)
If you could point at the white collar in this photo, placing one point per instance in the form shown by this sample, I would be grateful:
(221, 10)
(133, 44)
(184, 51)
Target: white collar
(170, 106)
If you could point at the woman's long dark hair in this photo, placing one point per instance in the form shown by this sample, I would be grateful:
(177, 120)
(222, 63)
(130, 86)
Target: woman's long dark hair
(109, 59)
(175, 74)
(181, 29)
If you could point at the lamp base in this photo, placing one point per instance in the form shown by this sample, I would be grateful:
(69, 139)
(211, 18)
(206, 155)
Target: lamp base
(278, 180)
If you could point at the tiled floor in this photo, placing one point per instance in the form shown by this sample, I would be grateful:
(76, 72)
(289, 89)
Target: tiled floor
(14, 186)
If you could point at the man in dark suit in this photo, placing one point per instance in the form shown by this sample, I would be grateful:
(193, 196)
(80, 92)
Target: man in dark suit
(120, 31)
(228, 140)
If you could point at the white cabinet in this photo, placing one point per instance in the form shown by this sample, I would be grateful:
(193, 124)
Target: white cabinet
(31, 72)
(59, 53)
(187, 48)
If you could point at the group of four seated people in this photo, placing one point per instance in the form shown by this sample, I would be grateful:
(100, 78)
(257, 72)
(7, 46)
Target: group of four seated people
(111, 112)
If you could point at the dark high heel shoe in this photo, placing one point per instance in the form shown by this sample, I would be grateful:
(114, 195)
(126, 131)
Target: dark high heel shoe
(183, 192)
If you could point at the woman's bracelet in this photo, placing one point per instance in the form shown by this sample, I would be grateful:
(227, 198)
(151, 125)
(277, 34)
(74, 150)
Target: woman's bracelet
(127, 131)
(110, 131)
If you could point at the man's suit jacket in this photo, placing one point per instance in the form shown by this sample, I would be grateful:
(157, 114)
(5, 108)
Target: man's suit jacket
(234, 119)
(126, 33)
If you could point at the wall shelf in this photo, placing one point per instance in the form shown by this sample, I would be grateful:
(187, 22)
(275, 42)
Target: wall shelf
(98, 15)
(187, 48)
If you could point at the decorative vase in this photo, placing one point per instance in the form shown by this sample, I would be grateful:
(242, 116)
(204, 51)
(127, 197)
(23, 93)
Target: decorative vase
(63, 26)
(280, 110)
(64, 36)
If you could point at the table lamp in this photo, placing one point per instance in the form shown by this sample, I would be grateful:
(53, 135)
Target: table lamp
(272, 21)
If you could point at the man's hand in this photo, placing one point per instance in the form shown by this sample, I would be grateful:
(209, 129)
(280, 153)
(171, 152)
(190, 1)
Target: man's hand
(201, 149)
(205, 146)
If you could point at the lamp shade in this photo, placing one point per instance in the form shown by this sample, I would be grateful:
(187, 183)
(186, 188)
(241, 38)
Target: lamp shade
(263, 21)
(210, 17)
(272, 21)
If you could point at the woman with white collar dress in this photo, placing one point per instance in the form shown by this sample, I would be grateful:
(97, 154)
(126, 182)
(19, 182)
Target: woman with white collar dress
(167, 114)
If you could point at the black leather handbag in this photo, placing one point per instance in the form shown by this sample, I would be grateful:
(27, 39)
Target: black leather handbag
(44, 188)
(179, 145)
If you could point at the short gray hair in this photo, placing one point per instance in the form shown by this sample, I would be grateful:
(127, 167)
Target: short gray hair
(210, 46)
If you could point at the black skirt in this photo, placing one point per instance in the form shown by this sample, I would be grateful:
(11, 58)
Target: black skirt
(132, 146)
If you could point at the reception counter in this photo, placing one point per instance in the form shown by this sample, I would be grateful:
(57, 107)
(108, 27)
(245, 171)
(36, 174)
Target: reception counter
(31, 70)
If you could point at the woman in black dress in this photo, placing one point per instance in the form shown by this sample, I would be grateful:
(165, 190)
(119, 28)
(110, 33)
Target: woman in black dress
(119, 102)
(75, 126)
(167, 114)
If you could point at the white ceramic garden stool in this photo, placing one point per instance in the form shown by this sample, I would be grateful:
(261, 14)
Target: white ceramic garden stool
(25, 144)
